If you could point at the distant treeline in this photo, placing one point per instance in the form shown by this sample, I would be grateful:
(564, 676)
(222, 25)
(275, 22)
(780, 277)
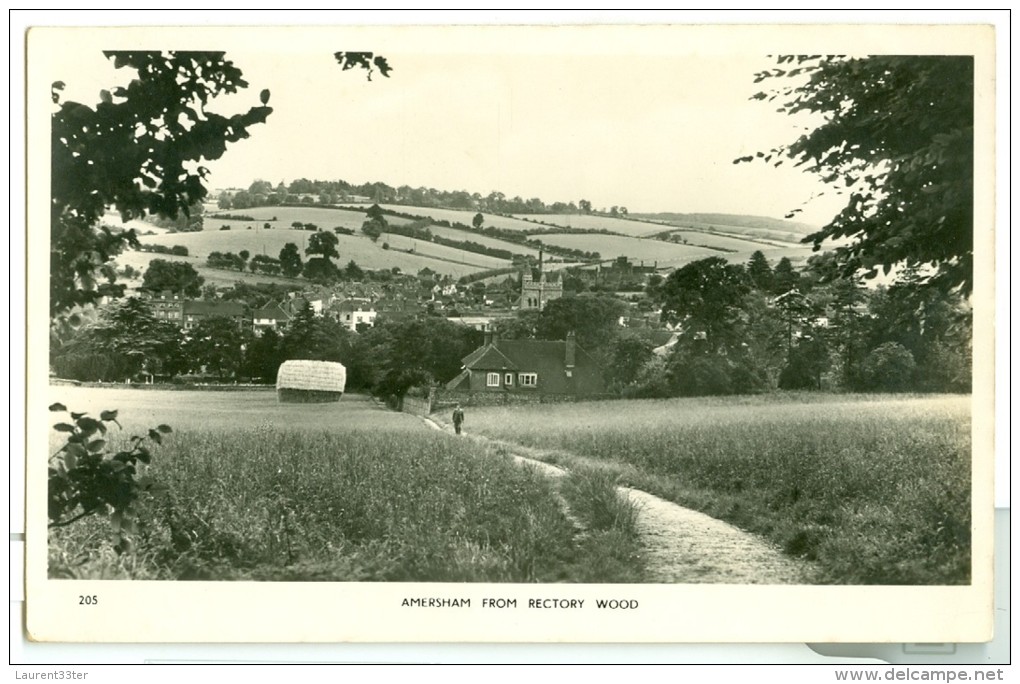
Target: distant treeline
(303, 191)
(236, 217)
(176, 250)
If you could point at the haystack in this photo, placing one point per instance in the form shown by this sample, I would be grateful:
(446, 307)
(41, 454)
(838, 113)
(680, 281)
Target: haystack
(307, 382)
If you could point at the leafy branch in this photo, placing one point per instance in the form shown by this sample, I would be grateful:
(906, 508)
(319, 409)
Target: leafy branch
(86, 478)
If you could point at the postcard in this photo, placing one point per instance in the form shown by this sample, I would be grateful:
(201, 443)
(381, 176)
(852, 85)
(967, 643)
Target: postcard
(592, 334)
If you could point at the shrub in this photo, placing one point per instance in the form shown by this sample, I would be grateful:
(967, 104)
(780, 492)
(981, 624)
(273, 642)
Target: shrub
(86, 479)
(889, 368)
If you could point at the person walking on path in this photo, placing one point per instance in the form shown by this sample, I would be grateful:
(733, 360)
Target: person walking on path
(458, 418)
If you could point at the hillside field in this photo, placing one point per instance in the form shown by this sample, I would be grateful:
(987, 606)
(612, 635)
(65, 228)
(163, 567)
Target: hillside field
(325, 218)
(613, 224)
(358, 247)
(737, 225)
(733, 238)
(612, 246)
(213, 276)
(458, 216)
(670, 254)
(455, 234)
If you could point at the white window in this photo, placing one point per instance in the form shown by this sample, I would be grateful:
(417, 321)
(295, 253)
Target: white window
(508, 379)
(492, 380)
(527, 379)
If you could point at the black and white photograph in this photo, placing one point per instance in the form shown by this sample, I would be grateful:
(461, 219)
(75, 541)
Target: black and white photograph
(511, 333)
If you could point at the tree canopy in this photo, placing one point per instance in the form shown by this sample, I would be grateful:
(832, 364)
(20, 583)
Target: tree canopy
(138, 151)
(705, 296)
(898, 142)
(173, 276)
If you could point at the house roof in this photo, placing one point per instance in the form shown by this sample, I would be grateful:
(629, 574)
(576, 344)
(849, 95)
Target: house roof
(271, 311)
(461, 381)
(547, 358)
(489, 357)
(353, 305)
(205, 308)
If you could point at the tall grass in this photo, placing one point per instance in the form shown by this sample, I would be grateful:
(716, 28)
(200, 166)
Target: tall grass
(380, 498)
(610, 522)
(876, 489)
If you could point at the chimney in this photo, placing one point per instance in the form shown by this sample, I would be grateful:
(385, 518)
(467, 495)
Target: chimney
(571, 353)
(487, 340)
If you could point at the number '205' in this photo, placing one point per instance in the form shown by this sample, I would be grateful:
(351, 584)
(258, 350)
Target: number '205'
(88, 600)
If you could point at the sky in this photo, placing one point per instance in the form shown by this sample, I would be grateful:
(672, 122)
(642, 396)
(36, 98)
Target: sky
(651, 134)
(634, 118)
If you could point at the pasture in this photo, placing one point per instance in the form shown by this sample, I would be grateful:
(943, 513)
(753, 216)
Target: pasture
(325, 218)
(620, 226)
(358, 247)
(213, 276)
(464, 216)
(768, 235)
(638, 249)
(675, 254)
(876, 489)
(450, 254)
(454, 234)
(349, 491)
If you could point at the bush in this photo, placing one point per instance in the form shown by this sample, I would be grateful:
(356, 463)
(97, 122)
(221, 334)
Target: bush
(651, 381)
(92, 366)
(947, 368)
(86, 478)
(809, 360)
(693, 376)
(889, 368)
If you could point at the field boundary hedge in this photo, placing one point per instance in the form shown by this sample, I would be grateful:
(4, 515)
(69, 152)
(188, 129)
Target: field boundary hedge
(447, 399)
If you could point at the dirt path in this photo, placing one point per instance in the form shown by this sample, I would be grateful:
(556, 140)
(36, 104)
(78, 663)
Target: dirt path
(683, 546)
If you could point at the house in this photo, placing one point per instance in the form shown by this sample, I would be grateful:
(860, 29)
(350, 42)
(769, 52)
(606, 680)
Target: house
(351, 313)
(529, 366)
(194, 312)
(481, 322)
(447, 290)
(398, 308)
(168, 306)
(296, 302)
(270, 316)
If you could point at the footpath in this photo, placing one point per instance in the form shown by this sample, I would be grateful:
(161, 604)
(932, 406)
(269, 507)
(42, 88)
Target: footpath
(683, 546)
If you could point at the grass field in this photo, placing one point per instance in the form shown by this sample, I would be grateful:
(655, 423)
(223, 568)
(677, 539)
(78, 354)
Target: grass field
(339, 492)
(213, 276)
(327, 218)
(460, 216)
(595, 222)
(360, 248)
(697, 237)
(454, 234)
(764, 235)
(875, 488)
(451, 254)
(737, 224)
(649, 251)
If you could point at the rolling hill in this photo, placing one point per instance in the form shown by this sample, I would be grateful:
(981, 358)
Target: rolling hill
(687, 237)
